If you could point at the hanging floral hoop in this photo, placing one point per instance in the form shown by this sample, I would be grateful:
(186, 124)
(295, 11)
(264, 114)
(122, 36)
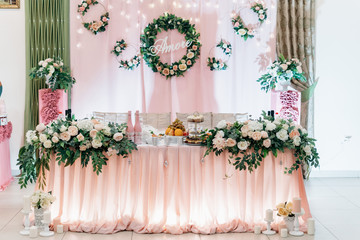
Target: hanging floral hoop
(148, 40)
(129, 64)
(241, 29)
(217, 64)
(94, 26)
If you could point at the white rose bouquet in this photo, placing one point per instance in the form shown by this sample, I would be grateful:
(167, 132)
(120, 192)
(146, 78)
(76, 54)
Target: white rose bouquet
(40, 199)
(84, 140)
(281, 70)
(262, 137)
(57, 76)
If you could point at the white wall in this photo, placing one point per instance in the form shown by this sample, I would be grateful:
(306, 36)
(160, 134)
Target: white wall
(12, 72)
(337, 97)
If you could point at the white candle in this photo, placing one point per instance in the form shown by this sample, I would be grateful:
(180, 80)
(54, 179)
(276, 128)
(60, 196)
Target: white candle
(269, 215)
(284, 232)
(27, 203)
(311, 226)
(47, 217)
(60, 228)
(257, 230)
(297, 205)
(33, 232)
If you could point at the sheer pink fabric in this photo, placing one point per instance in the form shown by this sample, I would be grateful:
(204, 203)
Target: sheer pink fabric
(170, 189)
(5, 167)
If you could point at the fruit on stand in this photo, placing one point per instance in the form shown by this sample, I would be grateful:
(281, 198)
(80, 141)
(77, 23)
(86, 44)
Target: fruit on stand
(176, 129)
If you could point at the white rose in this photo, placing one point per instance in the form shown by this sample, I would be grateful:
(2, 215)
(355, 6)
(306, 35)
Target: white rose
(242, 32)
(84, 4)
(117, 49)
(215, 65)
(51, 69)
(296, 140)
(43, 138)
(47, 144)
(63, 128)
(80, 137)
(219, 134)
(55, 139)
(243, 145)
(44, 64)
(285, 126)
(307, 150)
(244, 134)
(230, 142)
(41, 127)
(221, 124)
(93, 133)
(250, 134)
(270, 126)
(219, 143)
(85, 125)
(41, 63)
(73, 130)
(282, 135)
(29, 136)
(261, 11)
(96, 143)
(299, 69)
(190, 55)
(284, 66)
(118, 137)
(267, 143)
(264, 134)
(65, 136)
(107, 131)
(256, 136)
(99, 126)
(34, 138)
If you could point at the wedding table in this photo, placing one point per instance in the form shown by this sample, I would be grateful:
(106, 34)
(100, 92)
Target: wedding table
(172, 189)
(5, 167)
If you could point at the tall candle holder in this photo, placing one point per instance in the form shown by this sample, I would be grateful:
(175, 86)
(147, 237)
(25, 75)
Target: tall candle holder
(26, 230)
(46, 232)
(296, 232)
(268, 230)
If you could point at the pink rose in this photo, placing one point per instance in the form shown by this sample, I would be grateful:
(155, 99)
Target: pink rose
(256, 136)
(104, 19)
(65, 136)
(230, 142)
(81, 9)
(264, 134)
(80, 137)
(118, 137)
(227, 50)
(188, 62)
(194, 47)
(73, 130)
(158, 68)
(236, 24)
(175, 67)
(93, 133)
(94, 121)
(83, 148)
(99, 126)
(262, 17)
(267, 143)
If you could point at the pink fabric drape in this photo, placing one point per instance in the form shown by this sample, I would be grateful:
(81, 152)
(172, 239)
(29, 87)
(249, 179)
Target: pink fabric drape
(5, 167)
(102, 86)
(170, 189)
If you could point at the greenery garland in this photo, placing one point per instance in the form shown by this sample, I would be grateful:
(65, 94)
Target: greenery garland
(250, 142)
(165, 23)
(130, 64)
(239, 26)
(95, 26)
(84, 140)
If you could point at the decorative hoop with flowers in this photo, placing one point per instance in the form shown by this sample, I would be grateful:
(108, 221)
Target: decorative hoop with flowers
(220, 64)
(150, 50)
(130, 64)
(94, 26)
(239, 26)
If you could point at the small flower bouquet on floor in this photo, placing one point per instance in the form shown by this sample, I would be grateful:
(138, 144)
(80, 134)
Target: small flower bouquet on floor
(40, 199)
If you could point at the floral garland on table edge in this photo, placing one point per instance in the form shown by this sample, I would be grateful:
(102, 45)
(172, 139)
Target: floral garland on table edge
(170, 22)
(219, 64)
(94, 26)
(57, 75)
(263, 137)
(281, 70)
(5, 132)
(239, 26)
(71, 140)
(130, 64)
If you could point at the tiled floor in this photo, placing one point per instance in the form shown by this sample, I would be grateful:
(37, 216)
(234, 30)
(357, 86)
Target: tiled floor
(334, 203)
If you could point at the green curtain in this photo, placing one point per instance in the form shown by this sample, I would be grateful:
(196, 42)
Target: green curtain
(47, 35)
(296, 38)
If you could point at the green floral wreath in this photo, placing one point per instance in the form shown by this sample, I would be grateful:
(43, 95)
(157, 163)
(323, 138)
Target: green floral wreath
(130, 64)
(170, 22)
(239, 26)
(95, 26)
(219, 64)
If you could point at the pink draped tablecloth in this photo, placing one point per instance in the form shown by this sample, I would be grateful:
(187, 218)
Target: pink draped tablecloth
(170, 189)
(5, 166)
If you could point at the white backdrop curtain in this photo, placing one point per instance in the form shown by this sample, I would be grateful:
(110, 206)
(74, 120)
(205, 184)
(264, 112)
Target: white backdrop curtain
(102, 86)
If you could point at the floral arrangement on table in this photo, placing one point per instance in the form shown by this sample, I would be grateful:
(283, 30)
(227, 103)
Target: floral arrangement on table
(86, 140)
(119, 47)
(94, 26)
(57, 76)
(285, 209)
(148, 49)
(260, 10)
(261, 137)
(225, 46)
(41, 199)
(130, 64)
(216, 64)
(281, 70)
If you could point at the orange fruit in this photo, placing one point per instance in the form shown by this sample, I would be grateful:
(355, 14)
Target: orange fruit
(167, 131)
(179, 132)
(171, 133)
